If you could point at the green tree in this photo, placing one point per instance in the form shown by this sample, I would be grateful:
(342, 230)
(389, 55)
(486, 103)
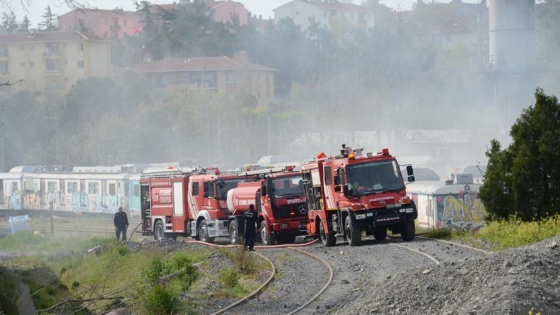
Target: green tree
(95, 116)
(24, 25)
(22, 131)
(50, 22)
(9, 22)
(524, 179)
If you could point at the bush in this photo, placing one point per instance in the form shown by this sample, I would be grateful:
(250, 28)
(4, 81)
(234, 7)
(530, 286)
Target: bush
(228, 277)
(244, 260)
(7, 285)
(152, 274)
(161, 300)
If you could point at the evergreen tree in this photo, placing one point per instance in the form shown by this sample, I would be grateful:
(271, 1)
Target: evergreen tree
(9, 22)
(50, 22)
(524, 179)
(25, 25)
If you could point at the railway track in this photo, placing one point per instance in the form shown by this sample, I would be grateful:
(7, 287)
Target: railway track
(62, 226)
(290, 266)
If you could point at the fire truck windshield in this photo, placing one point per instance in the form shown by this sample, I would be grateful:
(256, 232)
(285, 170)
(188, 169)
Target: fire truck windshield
(287, 186)
(373, 177)
(225, 185)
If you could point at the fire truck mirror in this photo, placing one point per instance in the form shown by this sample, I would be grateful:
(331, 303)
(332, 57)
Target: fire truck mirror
(337, 180)
(337, 188)
(411, 179)
(409, 170)
(346, 190)
(263, 190)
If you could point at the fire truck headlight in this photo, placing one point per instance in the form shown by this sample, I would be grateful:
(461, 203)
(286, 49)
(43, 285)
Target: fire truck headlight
(221, 225)
(360, 216)
(283, 226)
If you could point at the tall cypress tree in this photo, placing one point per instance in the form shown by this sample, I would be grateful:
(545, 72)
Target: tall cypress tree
(524, 179)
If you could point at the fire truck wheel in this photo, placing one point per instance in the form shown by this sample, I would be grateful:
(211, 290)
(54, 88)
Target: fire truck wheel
(328, 239)
(234, 237)
(267, 238)
(353, 234)
(158, 231)
(380, 235)
(203, 232)
(408, 231)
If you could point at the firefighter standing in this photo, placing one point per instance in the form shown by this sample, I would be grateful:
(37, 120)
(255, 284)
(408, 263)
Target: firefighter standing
(250, 227)
(121, 224)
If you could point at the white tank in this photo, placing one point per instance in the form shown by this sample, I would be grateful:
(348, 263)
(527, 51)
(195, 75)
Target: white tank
(512, 38)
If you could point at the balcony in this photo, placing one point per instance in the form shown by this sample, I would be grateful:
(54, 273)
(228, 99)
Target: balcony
(53, 72)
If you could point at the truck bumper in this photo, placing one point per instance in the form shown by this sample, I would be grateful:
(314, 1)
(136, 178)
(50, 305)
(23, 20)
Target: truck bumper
(386, 217)
(290, 227)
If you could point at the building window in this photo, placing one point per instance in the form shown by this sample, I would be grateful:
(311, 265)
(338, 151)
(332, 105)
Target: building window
(231, 78)
(184, 78)
(21, 48)
(106, 21)
(51, 49)
(52, 65)
(125, 22)
(3, 67)
(32, 64)
(31, 47)
(80, 63)
(80, 46)
(3, 50)
(22, 64)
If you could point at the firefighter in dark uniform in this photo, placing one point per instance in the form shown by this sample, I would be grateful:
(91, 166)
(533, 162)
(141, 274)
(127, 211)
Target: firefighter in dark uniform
(121, 224)
(250, 227)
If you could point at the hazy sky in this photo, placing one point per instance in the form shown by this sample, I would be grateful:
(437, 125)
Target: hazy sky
(257, 7)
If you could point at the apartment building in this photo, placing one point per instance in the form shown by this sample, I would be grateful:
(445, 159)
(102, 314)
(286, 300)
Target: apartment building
(52, 62)
(117, 23)
(325, 12)
(232, 76)
(104, 23)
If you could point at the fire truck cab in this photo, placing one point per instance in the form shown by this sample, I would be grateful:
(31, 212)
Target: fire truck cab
(279, 199)
(354, 192)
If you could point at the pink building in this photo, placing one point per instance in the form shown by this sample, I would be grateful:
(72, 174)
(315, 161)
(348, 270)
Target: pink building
(224, 11)
(103, 23)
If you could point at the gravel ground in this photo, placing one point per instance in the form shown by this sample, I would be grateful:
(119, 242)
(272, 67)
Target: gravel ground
(515, 281)
(382, 277)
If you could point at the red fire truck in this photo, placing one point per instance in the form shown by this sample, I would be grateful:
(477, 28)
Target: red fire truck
(279, 199)
(186, 202)
(354, 192)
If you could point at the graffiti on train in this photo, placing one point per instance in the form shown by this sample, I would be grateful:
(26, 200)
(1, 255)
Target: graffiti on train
(58, 201)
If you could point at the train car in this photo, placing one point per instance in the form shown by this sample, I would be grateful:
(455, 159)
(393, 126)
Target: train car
(97, 189)
(133, 203)
(454, 203)
(11, 188)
